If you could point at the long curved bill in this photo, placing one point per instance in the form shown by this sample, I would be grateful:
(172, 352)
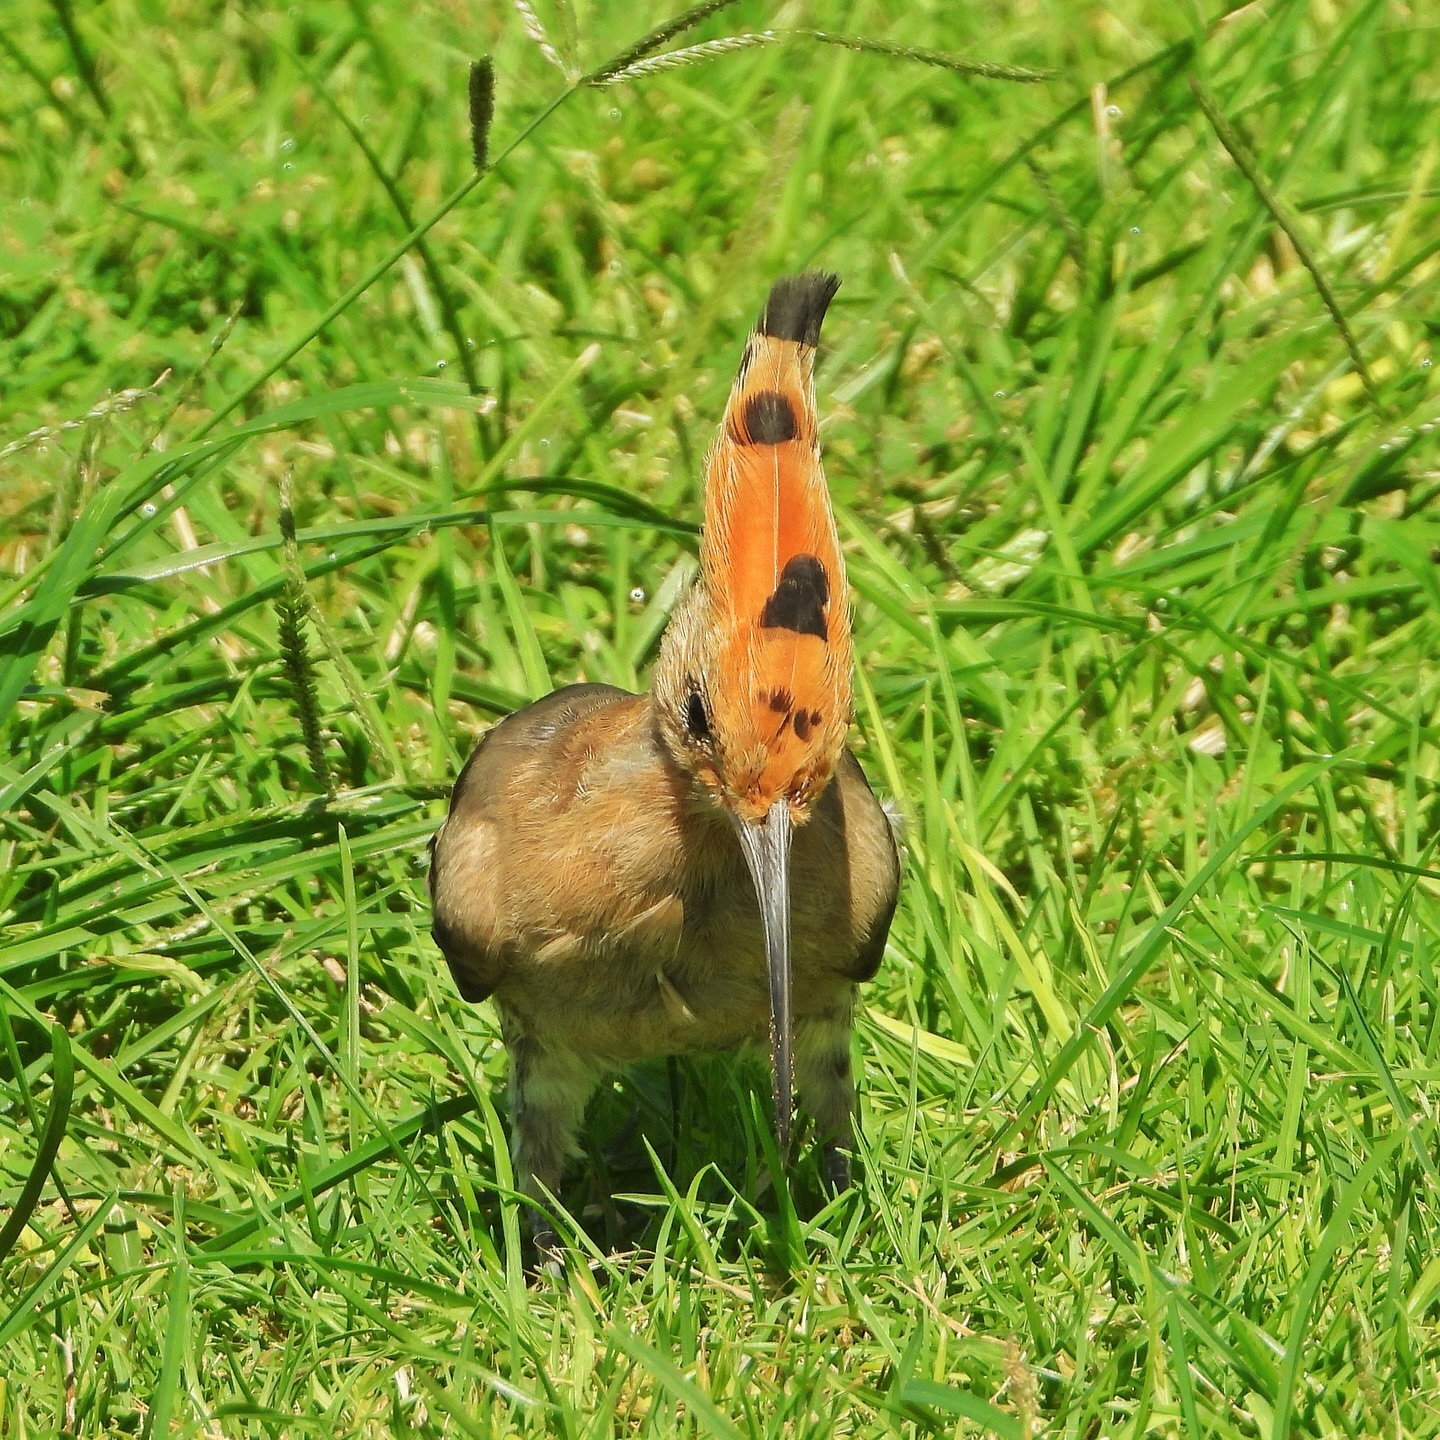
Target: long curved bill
(766, 844)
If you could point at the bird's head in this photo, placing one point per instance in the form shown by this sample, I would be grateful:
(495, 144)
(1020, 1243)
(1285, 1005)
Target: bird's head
(752, 686)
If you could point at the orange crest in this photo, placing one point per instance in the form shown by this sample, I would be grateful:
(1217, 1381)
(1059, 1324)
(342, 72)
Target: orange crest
(772, 565)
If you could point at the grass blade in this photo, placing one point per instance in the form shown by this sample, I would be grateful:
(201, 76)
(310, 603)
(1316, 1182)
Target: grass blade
(47, 1146)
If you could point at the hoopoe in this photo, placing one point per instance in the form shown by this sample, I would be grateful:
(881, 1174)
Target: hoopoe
(702, 866)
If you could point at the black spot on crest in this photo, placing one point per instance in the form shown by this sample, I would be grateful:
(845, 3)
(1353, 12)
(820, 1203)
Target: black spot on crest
(802, 725)
(781, 701)
(799, 600)
(769, 419)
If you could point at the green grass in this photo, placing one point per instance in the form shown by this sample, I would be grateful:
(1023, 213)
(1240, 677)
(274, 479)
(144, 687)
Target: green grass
(1147, 621)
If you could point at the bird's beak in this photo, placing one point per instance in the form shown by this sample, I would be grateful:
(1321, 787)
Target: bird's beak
(766, 844)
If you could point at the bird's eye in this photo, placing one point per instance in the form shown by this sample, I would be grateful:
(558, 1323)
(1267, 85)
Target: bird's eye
(697, 722)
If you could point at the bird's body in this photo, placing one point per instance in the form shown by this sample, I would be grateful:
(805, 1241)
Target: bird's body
(598, 871)
(586, 883)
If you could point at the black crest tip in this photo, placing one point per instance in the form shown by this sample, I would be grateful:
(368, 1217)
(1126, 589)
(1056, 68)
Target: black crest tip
(797, 305)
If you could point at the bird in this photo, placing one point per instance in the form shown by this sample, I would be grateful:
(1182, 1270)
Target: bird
(702, 867)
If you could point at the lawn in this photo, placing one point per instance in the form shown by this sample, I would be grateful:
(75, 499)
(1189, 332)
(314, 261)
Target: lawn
(320, 450)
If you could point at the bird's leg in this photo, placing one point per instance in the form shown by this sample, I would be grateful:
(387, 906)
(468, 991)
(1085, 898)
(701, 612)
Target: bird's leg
(548, 1091)
(827, 1088)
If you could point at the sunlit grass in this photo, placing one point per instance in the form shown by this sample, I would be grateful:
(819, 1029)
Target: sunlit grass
(1146, 614)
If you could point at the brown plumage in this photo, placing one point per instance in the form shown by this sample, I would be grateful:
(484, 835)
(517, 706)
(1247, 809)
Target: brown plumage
(633, 876)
